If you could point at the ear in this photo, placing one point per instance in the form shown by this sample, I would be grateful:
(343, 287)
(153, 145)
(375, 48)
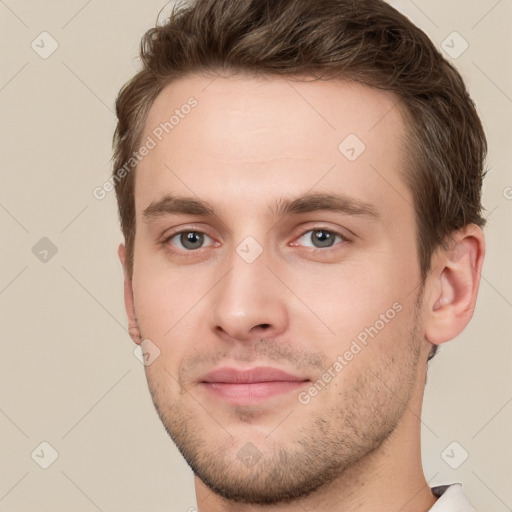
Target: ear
(133, 327)
(453, 285)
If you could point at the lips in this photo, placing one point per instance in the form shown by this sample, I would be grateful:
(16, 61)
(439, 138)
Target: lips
(260, 374)
(249, 386)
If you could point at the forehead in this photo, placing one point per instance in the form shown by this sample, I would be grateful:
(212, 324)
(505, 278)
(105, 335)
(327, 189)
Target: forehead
(242, 140)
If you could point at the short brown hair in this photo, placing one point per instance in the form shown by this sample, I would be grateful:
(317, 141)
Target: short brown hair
(366, 41)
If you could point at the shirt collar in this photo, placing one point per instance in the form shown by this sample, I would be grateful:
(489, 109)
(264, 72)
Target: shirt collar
(451, 499)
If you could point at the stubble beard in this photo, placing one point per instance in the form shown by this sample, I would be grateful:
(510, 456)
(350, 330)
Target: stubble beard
(295, 461)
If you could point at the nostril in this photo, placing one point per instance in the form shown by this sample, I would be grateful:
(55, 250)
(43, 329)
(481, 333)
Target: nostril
(265, 326)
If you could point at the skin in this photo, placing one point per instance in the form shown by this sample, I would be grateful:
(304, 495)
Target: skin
(297, 307)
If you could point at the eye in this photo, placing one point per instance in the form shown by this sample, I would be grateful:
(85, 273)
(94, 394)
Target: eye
(188, 240)
(320, 238)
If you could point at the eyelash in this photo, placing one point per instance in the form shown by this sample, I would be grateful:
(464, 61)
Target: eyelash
(190, 253)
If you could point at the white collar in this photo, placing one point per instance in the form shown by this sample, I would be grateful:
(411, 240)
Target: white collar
(451, 499)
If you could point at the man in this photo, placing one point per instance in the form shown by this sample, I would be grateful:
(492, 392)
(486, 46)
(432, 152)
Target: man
(299, 187)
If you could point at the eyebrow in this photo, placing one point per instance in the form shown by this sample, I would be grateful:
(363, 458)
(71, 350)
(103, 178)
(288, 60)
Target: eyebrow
(310, 202)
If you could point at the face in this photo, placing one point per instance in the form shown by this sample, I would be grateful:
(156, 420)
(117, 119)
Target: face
(276, 279)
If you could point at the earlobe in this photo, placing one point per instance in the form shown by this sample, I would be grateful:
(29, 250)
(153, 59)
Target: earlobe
(129, 303)
(453, 285)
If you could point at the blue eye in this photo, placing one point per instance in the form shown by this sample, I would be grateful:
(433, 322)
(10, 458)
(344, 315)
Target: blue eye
(189, 240)
(320, 238)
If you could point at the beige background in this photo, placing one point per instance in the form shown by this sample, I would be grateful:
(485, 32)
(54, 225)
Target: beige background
(68, 373)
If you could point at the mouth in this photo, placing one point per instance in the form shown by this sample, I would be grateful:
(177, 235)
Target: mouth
(250, 386)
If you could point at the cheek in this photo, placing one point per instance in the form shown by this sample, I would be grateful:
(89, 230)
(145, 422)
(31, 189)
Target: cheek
(163, 295)
(380, 348)
(153, 306)
(348, 297)
(168, 303)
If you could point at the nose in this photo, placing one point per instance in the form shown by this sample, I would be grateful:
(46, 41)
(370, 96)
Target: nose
(249, 302)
